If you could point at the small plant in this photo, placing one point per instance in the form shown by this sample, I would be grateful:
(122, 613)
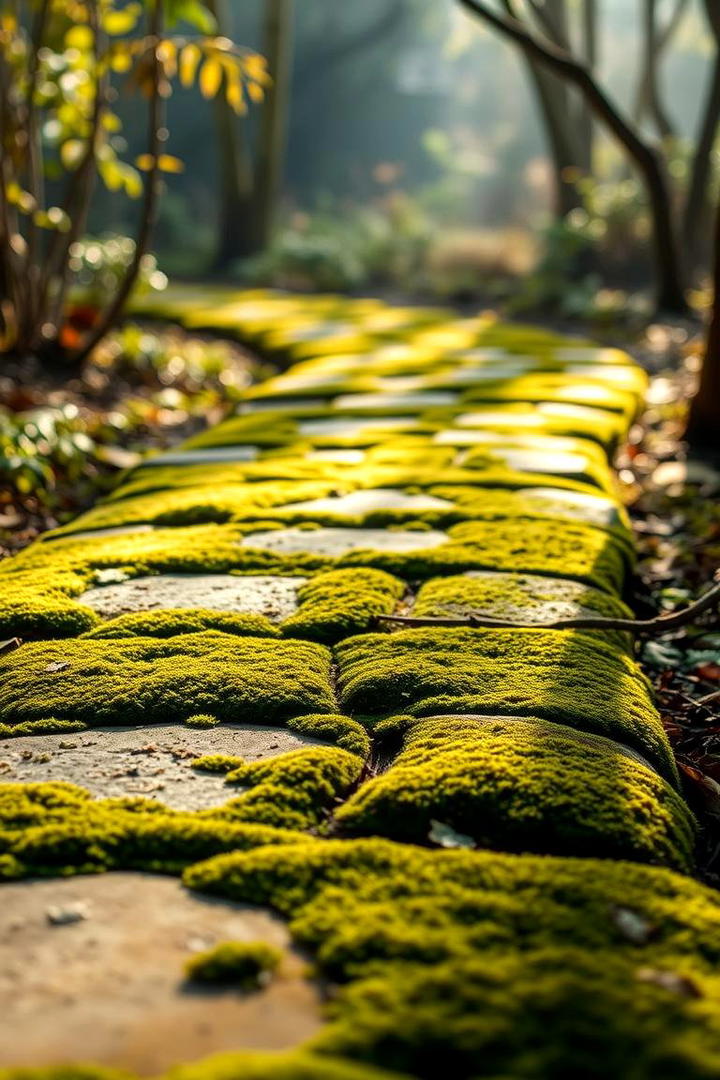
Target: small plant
(245, 964)
(202, 720)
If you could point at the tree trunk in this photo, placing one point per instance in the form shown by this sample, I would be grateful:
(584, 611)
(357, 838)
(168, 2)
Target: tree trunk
(236, 210)
(704, 419)
(670, 279)
(564, 155)
(274, 118)
(698, 206)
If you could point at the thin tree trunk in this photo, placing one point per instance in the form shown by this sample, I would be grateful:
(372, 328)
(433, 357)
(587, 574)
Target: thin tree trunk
(697, 214)
(150, 197)
(704, 419)
(274, 118)
(670, 290)
(235, 237)
(586, 121)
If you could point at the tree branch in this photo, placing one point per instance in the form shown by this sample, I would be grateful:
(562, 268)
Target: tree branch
(645, 155)
(661, 624)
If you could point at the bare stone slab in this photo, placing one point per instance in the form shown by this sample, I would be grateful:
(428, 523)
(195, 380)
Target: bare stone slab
(153, 762)
(423, 400)
(209, 456)
(593, 509)
(348, 427)
(365, 502)
(478, 437)
(109, 987)
(332, 543)
(559, 464)
(337, 456)
(497, 418)
(274, 597)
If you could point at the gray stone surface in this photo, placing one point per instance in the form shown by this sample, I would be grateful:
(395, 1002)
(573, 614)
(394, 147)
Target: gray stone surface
(426, 399)
(95, 534)
(348, 426)
(337, 456)
(107, 985)
(332, 543)
(152, 761)
(210, 456)
(366, 501)
(272, 596)
(593, 509)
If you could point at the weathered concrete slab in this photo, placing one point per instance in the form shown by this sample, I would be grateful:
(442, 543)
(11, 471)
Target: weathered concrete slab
(109, 987)
(365, 502)
(210, 456)
(348, 427)
(332, 543)
(150, 761)
(272, 596)
(95, 534)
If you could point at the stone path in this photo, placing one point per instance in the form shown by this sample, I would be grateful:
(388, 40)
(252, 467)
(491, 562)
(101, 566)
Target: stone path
(476, 833)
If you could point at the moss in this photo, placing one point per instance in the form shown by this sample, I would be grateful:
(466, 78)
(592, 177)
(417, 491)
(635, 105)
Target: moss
(48, 726)
(151, 680)
(345, 732)
(342, 602)
(521, 597)
(246, 964)
(556, 675)
(518, 785)
(170, 622)
(57, 829)
(250, 1065)
(477, 964)
(202, 720)
(297, 790)
(217, 763)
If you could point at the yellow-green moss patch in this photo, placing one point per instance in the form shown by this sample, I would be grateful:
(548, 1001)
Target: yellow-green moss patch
(141, 680)
(517, 785)
(556, 675)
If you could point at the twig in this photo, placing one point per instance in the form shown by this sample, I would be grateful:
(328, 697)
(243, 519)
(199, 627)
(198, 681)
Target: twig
(661, 624)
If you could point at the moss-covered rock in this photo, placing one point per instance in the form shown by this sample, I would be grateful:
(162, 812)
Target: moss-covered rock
(558, 675)
(246, 964)
(517, 785)
(141, 680)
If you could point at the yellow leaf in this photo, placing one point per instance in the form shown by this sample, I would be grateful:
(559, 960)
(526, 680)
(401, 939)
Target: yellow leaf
(79, 37)
(256, 69)
(145, 162)
(167, 55)
(122, 22)
(255, 92)
(210, 78)
(71, 152)
(234, 93)
(170, 164)
(189, 60)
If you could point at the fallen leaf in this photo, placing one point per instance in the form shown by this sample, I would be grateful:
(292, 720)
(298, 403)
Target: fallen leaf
(682, 985)
(57, 665)
(445, 836)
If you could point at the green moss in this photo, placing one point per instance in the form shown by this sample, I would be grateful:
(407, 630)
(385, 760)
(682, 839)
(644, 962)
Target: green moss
(297, 790)
(251, 1065)
(48, 726)
(520, 597)
(348, 734)
(170, 622)
(57, 829)
(517, 785)
(202, 720)
(470, 964)
(151, 680)
(556, 675)
(217, 763)
(342, 602)
(246, 964)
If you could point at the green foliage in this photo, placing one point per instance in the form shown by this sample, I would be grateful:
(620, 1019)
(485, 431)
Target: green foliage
(246, 964)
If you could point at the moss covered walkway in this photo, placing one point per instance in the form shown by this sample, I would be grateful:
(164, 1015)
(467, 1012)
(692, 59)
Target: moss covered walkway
(475, 834)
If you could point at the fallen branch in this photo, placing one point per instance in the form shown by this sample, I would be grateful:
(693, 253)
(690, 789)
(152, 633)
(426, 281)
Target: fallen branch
(661, 624)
